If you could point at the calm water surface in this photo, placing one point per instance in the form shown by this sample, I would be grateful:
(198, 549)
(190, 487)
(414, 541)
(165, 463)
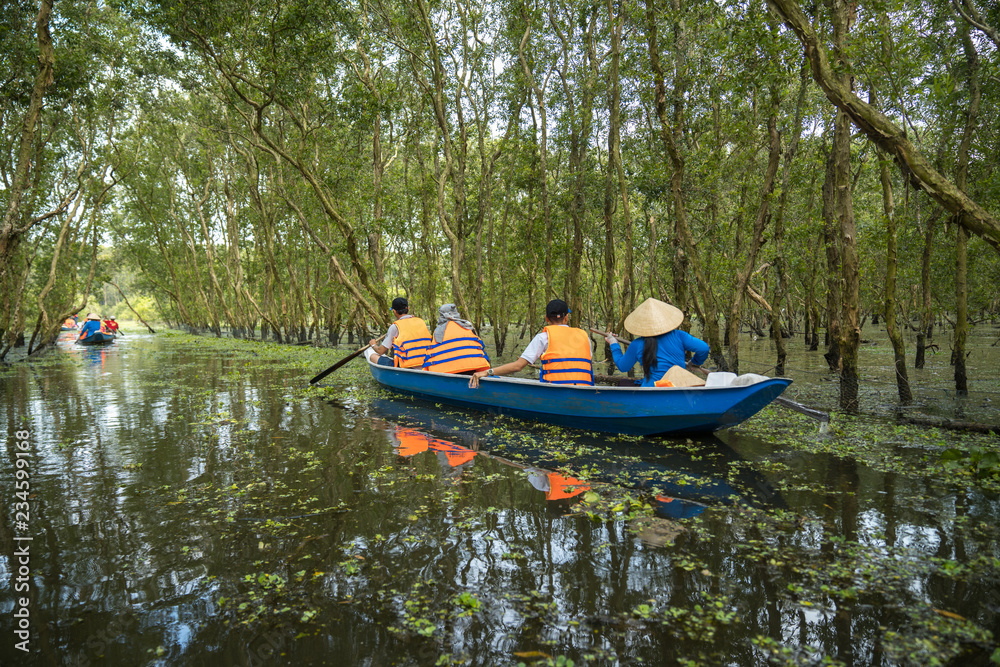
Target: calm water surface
(191, 505)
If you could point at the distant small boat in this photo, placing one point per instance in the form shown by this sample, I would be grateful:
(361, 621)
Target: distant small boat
(628, 410)
(96, 338)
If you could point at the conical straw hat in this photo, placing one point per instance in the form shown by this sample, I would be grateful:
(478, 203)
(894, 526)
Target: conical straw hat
(652, 318)
(92, 316)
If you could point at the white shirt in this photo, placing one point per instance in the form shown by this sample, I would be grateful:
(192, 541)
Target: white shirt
(536, 348)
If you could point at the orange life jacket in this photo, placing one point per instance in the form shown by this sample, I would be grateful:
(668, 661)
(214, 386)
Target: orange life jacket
(567, 358)
(409, 347)
(460, 351)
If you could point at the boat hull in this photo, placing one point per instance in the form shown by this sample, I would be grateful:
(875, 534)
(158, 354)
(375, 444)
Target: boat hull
(628, 410)
(96, 338)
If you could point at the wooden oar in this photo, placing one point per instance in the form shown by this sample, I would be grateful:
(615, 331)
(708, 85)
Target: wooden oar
(818, 415)
(338, 365)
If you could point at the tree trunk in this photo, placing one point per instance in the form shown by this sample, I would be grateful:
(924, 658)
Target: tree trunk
(890, 138)
(670, 130)
(11, 230)
(925, 290)
(832, 245)
(850, 329)
(757, 240)
(961, 246)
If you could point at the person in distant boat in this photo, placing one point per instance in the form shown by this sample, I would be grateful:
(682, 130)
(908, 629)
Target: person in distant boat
(457, 348)
(407, 337)
(69, 323)
(565, 352)
(111, 325)
(659, 346)
(91, 326)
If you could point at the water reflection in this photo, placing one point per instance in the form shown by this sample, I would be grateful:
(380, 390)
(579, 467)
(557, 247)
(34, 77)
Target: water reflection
(190, 507)
(681, 477)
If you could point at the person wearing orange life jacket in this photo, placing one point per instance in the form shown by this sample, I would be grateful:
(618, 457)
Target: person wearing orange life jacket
(407, 337)
(457, 348)
(565, 352)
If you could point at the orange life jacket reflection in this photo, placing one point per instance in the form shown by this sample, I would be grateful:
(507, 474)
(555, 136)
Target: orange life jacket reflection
(567, 358)
(458, 352)
(456, 455)
(564, 487)
(409, 347)
(413, 442)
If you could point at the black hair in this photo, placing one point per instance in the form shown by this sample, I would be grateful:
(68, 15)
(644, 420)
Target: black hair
(649, 349)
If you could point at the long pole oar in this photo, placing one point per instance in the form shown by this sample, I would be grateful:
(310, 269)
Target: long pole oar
(338, 365)
(818, 415)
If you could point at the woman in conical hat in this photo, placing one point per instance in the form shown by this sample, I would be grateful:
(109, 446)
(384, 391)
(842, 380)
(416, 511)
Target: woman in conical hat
(92, 324)
(659, 344)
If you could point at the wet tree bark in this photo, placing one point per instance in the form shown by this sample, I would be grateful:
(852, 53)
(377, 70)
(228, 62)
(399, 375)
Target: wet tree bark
(891, 261)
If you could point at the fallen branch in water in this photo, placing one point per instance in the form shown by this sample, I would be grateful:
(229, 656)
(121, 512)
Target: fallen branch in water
(949, 424)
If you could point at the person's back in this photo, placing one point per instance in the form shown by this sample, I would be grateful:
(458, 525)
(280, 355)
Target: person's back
(460, 351)
(567, 359)
(409, 347)
(91, 326)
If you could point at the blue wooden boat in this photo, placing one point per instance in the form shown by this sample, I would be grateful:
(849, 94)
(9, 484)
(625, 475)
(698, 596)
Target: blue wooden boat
(628, 410)
(96, 338)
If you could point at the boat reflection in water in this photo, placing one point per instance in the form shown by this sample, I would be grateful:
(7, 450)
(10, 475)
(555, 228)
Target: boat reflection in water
(678, 483)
